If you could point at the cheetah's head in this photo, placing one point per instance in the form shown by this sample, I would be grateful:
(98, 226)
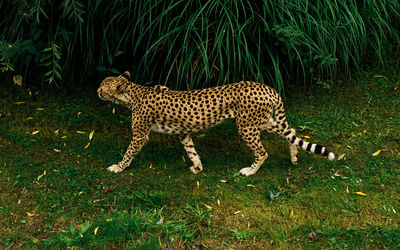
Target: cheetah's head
(115, 89)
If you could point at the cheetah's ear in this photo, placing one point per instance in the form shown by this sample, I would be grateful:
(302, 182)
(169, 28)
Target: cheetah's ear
(126, 74)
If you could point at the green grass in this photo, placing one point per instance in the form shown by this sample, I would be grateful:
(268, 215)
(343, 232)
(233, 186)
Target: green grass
(54, 193)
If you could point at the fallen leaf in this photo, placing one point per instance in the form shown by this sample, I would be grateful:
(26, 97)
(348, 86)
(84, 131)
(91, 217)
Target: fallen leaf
(17, 79)
(312, 235)
(207, 206)
(29, 214)
(29, 118)
(108, 220)
(198, 185)
(237, 212)
(19, 103)
(222, 181)
(63, 137)
(91, 135)
(291, 214)
(80, 132)
(361, 193)
(57, 150)
(341, 157)
(218, 202)
(40, 109)
(87, 145)
(56, 132)
(377, 152)
(347, 189)
(306, 136)
(287, 180)
(183, 158)
(35, 132)
(250, 185)
(113, 110)
(79, 113)
(95, 230)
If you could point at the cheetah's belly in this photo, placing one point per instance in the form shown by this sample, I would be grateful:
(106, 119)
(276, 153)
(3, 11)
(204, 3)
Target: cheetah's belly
(185, 127)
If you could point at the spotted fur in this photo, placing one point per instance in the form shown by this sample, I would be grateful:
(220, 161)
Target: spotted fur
(255, 107)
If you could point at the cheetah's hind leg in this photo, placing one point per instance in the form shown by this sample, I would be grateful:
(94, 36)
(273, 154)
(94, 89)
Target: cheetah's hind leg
(187, 142)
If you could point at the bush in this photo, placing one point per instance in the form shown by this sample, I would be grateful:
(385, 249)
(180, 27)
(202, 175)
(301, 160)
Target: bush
(188, 44)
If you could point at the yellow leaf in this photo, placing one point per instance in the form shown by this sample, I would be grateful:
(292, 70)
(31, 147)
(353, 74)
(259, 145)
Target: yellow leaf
(87, 145)
(91, 135)
(95, 230)
(79, 113)
(377, 152)
(29, 118)
(40, 109)
(80, 132)
(29, 214)
(361, 193)
(222, 181)
(347, 189)
(57, 150)
(306, 136)
(198, 185)
(207, 206)
(183, 158)
(63, 137)
(17, 79)
(287, 180)
(237, 212)
(18, 103)
(218, 202)
(250, 185)
(291, 214)
(107, 220)
(35, 132)
(113, 111)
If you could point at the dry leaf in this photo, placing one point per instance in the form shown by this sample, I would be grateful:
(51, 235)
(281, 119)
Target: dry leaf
(250, 185)
(341, 157)
(57, 150)
(207, 206)
(80, 132)
(79, 113)
(17, 79)
(91, 135)
(87, 145)
(63, 137)
(113, 110)
(218, 202)
(183, 158)
(40, 109)
(291, 214)
(198, 185)
(35, 132)
(306, 136)
(29, 214)
(347, 189)
(377, 152)
(29, 118)
(95, 230)
(361, 193)
(107, 220)
(237, 212)
(222, 181)
(287, 180)
(18, 103)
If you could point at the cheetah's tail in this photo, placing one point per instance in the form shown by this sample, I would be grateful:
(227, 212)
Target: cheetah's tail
(308, 146)
(281, 127)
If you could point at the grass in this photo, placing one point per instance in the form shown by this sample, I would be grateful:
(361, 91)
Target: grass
(56, 193)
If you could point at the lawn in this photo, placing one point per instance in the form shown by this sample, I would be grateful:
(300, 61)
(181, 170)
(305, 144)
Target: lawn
(55, 190)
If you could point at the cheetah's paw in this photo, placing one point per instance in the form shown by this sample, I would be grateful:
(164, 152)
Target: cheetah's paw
(247, 171)
(114, 168)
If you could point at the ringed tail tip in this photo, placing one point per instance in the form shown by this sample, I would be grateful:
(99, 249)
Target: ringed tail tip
(331, 156)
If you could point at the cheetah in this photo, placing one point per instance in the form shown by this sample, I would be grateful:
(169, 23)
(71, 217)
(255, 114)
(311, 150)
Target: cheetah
(254, 107)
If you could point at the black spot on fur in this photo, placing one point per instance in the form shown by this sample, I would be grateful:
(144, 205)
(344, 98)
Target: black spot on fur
(300, 143)
(308, 146)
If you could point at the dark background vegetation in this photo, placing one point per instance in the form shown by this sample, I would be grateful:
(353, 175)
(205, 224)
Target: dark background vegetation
(188, 44)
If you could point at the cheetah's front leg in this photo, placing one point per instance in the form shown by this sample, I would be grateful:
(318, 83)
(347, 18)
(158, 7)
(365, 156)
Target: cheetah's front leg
(138, 140)
(187, 142)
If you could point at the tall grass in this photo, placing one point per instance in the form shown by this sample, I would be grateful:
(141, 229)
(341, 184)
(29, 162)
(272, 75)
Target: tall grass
(190, 44)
